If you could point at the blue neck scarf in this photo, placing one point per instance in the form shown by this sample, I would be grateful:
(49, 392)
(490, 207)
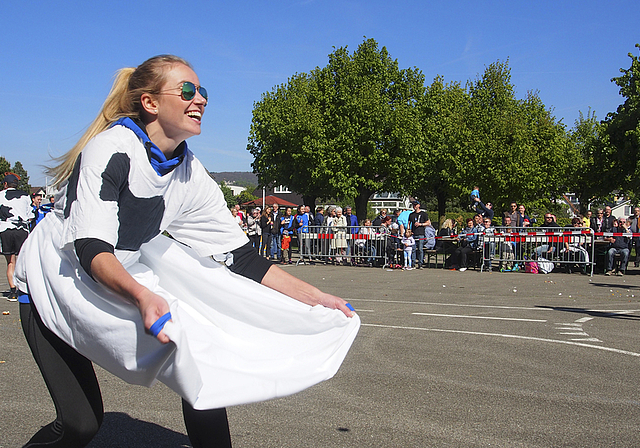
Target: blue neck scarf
(159, 162)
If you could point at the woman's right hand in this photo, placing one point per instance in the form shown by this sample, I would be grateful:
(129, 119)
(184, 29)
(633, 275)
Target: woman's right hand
(153, 307)
(108, 271)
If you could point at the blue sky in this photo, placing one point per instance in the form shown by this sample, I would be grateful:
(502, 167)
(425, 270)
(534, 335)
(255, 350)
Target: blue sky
(59, 58)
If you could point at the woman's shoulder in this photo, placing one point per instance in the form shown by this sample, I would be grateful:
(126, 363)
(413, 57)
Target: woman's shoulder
(103, 146)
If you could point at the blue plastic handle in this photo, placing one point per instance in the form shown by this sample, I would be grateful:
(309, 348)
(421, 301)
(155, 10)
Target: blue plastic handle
(158, 325)
(350, 307)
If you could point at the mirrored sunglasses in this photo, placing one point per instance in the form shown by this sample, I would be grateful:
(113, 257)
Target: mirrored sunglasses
(188, 91)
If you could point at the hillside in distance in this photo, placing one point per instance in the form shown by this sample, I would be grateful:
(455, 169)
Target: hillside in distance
(241, 178)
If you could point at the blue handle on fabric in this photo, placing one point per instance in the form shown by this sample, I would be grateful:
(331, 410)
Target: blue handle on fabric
(158, 325)
(350, 307)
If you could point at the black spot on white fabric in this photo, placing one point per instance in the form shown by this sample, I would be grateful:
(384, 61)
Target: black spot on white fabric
(5, 213)
(139, 218)
(15, 194)
(72, 187)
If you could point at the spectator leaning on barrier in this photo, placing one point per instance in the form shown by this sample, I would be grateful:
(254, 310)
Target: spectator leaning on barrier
(319, 218)
(416, 223)
(619, 245)
(403, 221)
(378, 221)
(547, 250)
(635, 228)
(521, 217)
(430, 236)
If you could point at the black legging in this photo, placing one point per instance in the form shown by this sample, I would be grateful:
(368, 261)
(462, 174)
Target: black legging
(74, 388)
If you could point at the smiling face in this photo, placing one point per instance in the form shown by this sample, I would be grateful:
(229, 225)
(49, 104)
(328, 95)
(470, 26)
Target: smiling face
(176, 119)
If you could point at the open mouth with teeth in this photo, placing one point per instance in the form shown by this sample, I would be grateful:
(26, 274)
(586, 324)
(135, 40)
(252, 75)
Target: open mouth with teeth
(196, 115)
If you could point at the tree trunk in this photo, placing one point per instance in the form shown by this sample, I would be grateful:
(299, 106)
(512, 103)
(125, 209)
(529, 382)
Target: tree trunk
(442, 203)
(311, 202)
(362, 201)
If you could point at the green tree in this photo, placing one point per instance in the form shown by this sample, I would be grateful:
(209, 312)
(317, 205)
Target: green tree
(5, 166)
(588, 160)
(439, 169)
(623, 129)
(287, 139)
(23, 184)
(346, 130)
(516, 148)
(245, 196)
(229, 198)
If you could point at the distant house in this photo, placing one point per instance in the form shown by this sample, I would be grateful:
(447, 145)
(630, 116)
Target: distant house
(281, 194)
(622, 209)
(235, 189)
(38, 191)
(389, 201)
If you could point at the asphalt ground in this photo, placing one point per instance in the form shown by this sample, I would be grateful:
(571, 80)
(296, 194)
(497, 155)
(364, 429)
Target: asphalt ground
(443, 359)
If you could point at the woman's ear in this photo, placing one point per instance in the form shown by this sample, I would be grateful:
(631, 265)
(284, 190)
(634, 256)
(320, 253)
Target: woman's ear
(149, 104)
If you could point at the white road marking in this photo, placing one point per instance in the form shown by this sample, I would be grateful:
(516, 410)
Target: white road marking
(588, 339)
(478, 317)
(510, 336)
(403, 302)
(577, 333)
(584, 319)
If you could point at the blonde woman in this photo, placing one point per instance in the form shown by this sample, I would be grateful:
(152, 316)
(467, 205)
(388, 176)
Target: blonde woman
(103, 284)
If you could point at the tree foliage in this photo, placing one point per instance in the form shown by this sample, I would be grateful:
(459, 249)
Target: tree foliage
(623, 129)
(362, 125)
(439, 167)
(517, 150)
(348, 129)
(587, 160)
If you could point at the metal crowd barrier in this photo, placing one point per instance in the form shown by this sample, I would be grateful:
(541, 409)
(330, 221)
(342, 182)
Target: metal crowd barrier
(356, 245)
(511, 248)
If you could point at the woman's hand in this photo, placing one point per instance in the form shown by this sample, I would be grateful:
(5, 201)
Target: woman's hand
(333, 302)
(107, 270)
(153, 307)
(297, 289)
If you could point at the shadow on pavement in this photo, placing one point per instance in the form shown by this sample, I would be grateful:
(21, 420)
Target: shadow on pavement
(120, 430)
(591, 312)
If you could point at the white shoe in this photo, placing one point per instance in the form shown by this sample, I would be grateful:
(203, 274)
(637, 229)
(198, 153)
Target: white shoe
(462, 269)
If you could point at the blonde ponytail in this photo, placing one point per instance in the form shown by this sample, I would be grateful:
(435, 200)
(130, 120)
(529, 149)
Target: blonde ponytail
(123, 101)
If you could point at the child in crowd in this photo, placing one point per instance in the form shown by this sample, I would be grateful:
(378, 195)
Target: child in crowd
(286, 247)
(394, 248)
(474, 197)
(408, 242)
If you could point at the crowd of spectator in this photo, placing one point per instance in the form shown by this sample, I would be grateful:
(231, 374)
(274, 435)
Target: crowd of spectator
(410, 234)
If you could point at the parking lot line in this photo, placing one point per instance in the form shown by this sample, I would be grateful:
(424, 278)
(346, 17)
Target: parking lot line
(479, 317)
(509, 336)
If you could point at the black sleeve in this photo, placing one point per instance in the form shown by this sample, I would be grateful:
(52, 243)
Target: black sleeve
(87, 249)
(248, 263)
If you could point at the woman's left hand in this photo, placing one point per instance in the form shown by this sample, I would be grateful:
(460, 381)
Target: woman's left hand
(287, 284)
(333, 302)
